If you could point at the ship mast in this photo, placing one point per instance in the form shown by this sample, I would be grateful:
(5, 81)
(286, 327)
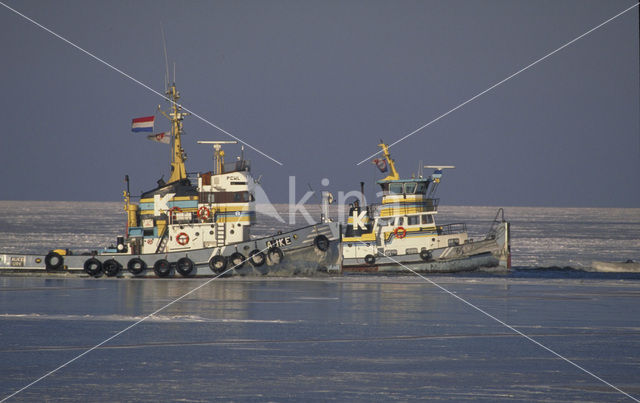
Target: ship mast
(394, 174)
(178, 155)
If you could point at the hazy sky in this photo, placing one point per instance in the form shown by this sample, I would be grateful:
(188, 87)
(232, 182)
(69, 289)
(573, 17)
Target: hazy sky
(315, 84)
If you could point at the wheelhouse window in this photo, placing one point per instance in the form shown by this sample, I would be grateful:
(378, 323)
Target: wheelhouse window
(413, 220)
(395, 188)
(427, 219)
(410, 188)
(239, 197)
(225, 197)
(206, 197)
(421, 188)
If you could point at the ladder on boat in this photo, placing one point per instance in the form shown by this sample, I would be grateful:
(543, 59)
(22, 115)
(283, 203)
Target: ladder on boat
(220, 233)
(163, 241)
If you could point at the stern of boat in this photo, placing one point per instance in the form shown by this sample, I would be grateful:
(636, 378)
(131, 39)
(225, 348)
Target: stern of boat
(501, 232)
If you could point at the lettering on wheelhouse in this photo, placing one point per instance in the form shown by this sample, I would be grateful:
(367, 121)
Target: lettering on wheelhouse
(279, 242)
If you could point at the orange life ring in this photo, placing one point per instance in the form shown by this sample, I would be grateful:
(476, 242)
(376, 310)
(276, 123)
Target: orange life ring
(182, 238)
(400, 232)
(204, 213)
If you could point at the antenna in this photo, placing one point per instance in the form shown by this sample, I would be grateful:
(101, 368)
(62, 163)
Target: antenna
(174, 72)
(166, 59)
(436, 175)
(218, 154)
(217, 142)
(440, 167)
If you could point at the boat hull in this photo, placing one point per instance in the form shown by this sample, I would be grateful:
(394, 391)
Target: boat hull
(493, 251)
(300, 255)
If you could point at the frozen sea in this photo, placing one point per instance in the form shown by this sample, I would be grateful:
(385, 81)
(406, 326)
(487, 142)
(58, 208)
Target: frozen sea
(349, 338)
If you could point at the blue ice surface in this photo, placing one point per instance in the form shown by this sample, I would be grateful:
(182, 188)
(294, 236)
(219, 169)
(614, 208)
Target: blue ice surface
(356, 338)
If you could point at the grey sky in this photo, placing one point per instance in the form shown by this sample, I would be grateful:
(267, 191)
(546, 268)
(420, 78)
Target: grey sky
(316, 84)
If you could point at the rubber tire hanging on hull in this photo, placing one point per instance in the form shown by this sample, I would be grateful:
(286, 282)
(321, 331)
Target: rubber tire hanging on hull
(53, 261)
(111, 267)
(425, 255)
(275, 255)
(257, 258)
(185, 266)
(321, 242)
(237, 260)
(162, 268)
(218, 264)
(370, 260)
(93, 267)
(136, 266)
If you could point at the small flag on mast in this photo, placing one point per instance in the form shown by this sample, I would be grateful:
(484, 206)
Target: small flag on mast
(381, 164)
(164, 137)
(144, 124)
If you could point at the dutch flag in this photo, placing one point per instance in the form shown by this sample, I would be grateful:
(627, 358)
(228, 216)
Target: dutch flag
(142, 124)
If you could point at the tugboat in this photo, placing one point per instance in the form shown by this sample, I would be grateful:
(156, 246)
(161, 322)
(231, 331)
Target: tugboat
(401, 234)
(195, 225)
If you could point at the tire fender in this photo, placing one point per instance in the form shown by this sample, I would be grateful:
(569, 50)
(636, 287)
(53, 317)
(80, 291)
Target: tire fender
(93, 267)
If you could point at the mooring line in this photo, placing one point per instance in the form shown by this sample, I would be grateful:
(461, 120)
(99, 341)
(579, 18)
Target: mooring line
(139, 83)
(500, 82)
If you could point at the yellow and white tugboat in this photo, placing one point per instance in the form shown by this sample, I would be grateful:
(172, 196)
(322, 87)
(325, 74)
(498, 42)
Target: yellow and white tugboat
(402, 234)
(195, 225)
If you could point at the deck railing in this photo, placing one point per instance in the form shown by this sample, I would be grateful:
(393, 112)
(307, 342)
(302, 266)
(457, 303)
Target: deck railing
(450, 229)
(236, 166)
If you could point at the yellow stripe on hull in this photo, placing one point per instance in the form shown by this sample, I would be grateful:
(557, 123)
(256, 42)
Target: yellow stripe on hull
(175, 198)
(401, 198)
(371, 237)
(244, 219)
(183, 210)
(414, 232)
(391, 211)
